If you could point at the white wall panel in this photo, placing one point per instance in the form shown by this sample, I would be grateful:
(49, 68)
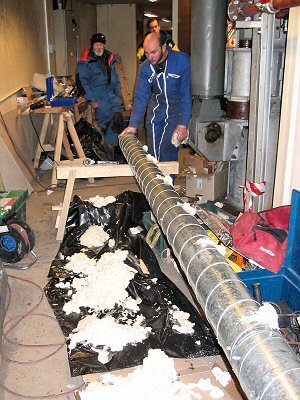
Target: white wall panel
(288, 158)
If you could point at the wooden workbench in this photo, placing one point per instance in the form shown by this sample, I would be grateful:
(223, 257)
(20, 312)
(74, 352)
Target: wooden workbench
(71, 170)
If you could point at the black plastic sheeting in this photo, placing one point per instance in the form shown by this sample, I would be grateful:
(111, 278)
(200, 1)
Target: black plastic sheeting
(157, 298)
(91, 139)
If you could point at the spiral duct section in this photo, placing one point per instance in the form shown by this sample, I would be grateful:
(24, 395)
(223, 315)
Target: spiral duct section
(264, 363)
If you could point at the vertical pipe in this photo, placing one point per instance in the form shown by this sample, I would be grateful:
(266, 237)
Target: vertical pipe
(175, 21)
(47, 38)
(263, 361)
(208, 44)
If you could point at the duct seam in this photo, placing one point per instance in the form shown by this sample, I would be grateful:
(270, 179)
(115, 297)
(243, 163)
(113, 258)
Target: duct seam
(159, 184)
(149, 181)
(227, 309)
(161, 219)
(183, 227)
(193, 237)
(142, 182)
(274, 379)
(235, 344)
(129, 158)
(206, 268)
(216, 287)
(163, 191)
(253, 348)
(178, 216)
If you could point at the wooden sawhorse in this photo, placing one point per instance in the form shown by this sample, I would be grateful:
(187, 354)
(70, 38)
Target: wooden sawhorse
(71, 170)
(59, 138)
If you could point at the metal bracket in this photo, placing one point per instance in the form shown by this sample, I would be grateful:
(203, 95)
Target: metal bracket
(248, 24)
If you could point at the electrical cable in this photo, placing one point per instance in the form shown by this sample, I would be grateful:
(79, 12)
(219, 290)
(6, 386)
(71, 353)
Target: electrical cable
(39, 140)
(19, 153)
(14, 325)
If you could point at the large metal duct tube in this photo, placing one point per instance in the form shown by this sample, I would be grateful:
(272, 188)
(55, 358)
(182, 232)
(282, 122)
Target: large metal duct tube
(208, 45)
(262, 360)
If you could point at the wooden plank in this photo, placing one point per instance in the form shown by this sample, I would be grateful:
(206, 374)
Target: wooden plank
(2, 187)
(51, 110)
(65, 206)
(126, 94)
(48, 147)
(76, 141)
(107, 170)
(76, 113)
(42, 137)
(58, 147)
(67, 147)
(74, 136)
(53, 133)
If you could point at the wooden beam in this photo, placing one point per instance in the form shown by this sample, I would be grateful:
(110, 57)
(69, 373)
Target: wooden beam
(106, 170)
(126, 94)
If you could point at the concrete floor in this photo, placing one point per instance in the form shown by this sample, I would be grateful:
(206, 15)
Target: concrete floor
(34, 362)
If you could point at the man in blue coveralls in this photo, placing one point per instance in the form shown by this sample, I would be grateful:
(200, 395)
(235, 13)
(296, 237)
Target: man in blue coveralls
(163, 88)
(99, 78)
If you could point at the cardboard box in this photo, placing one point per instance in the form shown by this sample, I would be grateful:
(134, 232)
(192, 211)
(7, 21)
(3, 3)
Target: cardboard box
(184, 153)
(197, 164)
(210, 186)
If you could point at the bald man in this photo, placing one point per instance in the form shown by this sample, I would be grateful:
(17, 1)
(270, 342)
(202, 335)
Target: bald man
(163, 88)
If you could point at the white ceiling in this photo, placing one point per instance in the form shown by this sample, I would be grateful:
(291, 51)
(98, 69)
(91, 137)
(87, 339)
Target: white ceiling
(161, 7)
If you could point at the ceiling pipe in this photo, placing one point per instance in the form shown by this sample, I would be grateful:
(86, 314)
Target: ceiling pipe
(243, 10)
(264, 363)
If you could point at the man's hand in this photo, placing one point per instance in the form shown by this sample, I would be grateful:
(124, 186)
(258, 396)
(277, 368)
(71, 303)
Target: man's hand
(129, 129)
(180, 135)
(95, 104)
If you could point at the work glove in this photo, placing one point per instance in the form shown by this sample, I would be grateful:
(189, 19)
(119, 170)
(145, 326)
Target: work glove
(180, 135)
(129, 129)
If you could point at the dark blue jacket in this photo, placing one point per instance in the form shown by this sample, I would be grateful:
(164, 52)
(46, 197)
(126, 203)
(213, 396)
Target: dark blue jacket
(97, 83)
(167, 94)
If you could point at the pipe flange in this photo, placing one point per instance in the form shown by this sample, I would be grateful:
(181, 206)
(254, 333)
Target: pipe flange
(236, 10)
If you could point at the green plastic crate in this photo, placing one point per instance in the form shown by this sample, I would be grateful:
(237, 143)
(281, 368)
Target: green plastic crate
(12, 202)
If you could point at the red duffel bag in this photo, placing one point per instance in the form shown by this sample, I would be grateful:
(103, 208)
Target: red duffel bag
(262, 237)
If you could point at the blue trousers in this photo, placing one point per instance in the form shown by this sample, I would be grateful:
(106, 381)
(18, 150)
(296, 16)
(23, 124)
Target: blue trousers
(159, 136)
(104, 115)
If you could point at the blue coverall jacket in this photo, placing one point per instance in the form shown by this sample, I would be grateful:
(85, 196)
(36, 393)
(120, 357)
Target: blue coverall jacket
(168, 97)
(101, 87)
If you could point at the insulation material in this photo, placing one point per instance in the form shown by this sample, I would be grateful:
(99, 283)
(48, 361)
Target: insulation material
(155, 379)
(123, 289)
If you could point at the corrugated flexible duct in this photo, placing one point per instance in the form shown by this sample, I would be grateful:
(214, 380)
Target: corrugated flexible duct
(262, 360)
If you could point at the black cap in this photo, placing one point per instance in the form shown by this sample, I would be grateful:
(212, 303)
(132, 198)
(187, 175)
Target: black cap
(97, 38)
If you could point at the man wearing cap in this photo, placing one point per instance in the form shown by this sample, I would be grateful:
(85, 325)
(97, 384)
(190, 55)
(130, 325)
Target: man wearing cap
(163, 88)
(99, 78)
